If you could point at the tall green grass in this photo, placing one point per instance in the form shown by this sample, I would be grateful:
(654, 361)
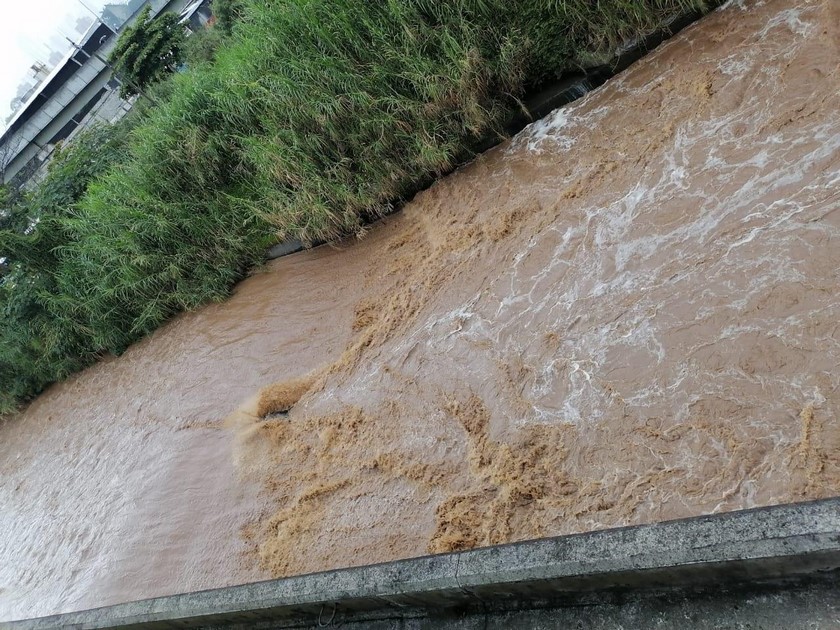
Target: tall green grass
(312, 116)
(41, 340)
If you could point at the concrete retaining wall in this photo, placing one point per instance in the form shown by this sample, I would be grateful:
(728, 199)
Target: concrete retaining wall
(763, 568)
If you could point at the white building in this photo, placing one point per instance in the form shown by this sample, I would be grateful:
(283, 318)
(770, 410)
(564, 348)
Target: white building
(64, 98)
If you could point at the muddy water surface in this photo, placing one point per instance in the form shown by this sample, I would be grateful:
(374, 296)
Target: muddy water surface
(121, 483)
(628, 313)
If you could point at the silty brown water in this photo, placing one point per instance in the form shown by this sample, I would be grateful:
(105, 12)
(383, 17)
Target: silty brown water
(627, 313)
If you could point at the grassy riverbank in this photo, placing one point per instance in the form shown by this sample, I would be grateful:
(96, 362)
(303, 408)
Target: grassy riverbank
(313, 116)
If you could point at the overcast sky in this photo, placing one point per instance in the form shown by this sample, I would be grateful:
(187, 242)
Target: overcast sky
(25, 28)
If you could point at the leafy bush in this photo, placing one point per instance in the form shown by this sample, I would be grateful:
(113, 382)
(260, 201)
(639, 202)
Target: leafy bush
(40, 340)
(227, 13)
(147, 51)
(202, 46)
(314, 115)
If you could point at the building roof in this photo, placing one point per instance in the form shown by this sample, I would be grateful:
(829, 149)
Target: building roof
(91, 41)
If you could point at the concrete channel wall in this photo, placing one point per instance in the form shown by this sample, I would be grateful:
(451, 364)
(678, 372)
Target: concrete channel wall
(775, 567)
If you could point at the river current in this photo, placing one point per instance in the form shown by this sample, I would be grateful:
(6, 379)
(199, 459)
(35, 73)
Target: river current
(628, 312)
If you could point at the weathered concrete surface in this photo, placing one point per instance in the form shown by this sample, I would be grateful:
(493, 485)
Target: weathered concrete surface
(811, 604)
(764, 568)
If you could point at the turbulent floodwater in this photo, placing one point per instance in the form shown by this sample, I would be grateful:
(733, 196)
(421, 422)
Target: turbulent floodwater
(630, 312)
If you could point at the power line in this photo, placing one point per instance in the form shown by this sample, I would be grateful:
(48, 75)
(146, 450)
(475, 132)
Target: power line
(97, 17)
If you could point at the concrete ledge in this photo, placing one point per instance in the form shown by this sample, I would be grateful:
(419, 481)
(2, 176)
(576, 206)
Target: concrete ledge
(760, 548)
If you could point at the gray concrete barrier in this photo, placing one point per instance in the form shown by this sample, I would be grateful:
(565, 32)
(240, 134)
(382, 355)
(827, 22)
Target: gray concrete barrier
(770, 567)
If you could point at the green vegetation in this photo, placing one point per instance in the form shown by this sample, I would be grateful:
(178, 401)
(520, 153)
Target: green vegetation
(227, 13)
(202, 46)
(147, 51)
(41, 341)
(311, 117)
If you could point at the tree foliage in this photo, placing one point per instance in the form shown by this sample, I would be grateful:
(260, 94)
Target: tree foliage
(202, 46)
(42, 337)
(147, 51)
(227, 13)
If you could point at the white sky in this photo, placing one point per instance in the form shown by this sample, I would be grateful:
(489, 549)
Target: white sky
(25, 28)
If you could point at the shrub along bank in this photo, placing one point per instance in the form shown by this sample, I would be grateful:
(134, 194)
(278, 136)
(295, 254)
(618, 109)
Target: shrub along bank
(310, 117)
(41, 340)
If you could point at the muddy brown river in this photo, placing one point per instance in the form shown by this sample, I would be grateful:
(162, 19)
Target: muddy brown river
(629, 312)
